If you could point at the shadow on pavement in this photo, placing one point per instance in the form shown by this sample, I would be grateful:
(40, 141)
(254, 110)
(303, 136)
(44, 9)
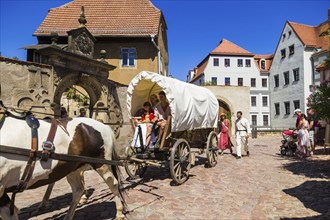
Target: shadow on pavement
(155, 173)
(314, 195)
(64, 201)
(310, 168)
(93, 211)
(52, 206)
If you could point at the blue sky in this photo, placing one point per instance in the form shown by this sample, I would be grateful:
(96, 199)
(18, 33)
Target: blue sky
(195, 27)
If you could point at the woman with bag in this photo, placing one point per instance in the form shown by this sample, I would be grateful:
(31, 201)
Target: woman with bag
(224, 140)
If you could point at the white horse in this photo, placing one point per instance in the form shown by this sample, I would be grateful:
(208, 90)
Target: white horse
(84, 137)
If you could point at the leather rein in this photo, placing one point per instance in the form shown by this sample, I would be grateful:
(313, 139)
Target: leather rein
(48, 147)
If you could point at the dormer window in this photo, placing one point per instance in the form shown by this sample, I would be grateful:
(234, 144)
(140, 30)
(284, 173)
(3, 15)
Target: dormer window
(263, 64)
(283, 53)
(291, 49)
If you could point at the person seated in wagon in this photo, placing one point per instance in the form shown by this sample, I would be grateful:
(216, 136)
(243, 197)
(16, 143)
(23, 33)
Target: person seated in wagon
(143, 118)
(162, 111)
(145, 114)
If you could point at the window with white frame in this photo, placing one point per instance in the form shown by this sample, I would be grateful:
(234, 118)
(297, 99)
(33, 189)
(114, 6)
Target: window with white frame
(264, 101)
(214, 80)
(227, 62)
(215, 61)
(265, 120)
(240, 81)
(247, 63)
(296, 104)
(128, 56)
(254, 119)
(264, 82)
(296, 74)
(253, 82)
(253, 101)
(240, 62)
(227, 81)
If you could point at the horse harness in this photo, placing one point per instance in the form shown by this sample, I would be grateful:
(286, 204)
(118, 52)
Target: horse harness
(47, 148)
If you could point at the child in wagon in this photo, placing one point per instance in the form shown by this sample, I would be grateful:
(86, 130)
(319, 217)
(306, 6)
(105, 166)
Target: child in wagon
(145, 114)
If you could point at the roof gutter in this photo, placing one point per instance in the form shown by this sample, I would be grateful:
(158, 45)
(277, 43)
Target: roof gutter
(158, 52)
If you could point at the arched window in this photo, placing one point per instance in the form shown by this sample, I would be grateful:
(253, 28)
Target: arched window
(263, 64)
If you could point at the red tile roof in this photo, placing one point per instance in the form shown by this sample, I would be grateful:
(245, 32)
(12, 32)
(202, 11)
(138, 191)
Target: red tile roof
(199, 70)
(104, 18)
(226, 47)
(310, 35)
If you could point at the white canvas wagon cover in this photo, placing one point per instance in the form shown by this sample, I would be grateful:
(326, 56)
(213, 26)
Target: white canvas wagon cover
(192, 107)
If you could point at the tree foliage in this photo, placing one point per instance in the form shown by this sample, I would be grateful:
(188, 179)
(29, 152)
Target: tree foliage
(320, 101)
(71, 93)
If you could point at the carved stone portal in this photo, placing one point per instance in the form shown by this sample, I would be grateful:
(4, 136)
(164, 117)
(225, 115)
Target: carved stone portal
(39, 88)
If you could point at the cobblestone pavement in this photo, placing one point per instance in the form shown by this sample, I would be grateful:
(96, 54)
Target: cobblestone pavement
(262, 186)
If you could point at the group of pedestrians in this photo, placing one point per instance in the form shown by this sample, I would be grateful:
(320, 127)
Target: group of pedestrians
(307, 127)
(242, 132)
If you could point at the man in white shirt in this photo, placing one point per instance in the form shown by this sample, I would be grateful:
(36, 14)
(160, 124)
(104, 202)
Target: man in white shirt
(242, 131)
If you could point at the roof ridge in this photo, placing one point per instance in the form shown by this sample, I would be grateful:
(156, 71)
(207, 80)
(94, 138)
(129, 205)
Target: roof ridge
(104, 18)
(301, 24)
(230, 50)
(61, 6)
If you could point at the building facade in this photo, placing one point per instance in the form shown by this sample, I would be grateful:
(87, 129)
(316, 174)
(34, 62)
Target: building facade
(291, 73)
(132, 34)
(231, 65)
(321, 72)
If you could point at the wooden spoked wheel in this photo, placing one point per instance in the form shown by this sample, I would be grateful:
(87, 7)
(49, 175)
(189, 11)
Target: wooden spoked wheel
(212, 149)
(133, 169)
(180, 161)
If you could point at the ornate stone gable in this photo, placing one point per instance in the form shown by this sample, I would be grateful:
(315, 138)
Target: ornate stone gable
(81, 41)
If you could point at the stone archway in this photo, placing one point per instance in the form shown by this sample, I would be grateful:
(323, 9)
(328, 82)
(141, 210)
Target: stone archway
(89, 83)
(226, 107)
(102, 105)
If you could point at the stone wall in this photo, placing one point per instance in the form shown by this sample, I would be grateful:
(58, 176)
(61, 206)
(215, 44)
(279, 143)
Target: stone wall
(126, 132)
(26, 85)
(236, 97)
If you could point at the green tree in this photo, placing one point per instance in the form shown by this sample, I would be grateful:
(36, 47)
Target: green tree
(320, 101)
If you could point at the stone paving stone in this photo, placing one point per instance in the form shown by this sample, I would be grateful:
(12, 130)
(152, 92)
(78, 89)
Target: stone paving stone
(263, 186)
